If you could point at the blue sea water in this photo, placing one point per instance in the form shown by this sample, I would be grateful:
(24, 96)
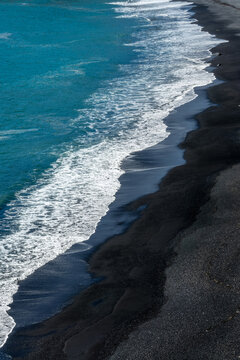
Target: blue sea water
(54, 55)
(83, 84)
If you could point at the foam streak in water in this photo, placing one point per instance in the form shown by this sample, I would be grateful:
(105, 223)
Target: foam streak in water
(5, 36)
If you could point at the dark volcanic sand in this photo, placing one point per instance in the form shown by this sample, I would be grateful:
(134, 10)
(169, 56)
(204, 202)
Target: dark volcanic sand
(176, 265)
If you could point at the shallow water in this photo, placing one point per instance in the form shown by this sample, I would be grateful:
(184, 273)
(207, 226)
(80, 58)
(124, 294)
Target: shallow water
(83, 85)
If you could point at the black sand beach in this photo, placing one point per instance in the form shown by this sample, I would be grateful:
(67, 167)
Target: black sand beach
(170, 287)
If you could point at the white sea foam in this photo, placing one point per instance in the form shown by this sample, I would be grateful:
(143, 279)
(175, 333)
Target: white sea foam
(66, 204)
(5, 36)
(16, 131)
(62, 73)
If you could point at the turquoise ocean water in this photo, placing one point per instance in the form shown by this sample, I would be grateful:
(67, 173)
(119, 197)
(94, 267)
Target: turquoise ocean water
(83, 84)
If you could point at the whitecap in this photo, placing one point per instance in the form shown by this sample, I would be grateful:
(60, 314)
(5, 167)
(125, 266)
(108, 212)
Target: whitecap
(16, 131)
(5, 36)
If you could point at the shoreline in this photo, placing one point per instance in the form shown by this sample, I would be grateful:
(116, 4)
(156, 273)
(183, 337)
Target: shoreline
(152, 164)
(117, 297)
(52, 287)
(59, 290)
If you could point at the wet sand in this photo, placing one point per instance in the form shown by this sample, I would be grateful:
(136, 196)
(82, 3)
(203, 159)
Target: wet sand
(170, 287)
